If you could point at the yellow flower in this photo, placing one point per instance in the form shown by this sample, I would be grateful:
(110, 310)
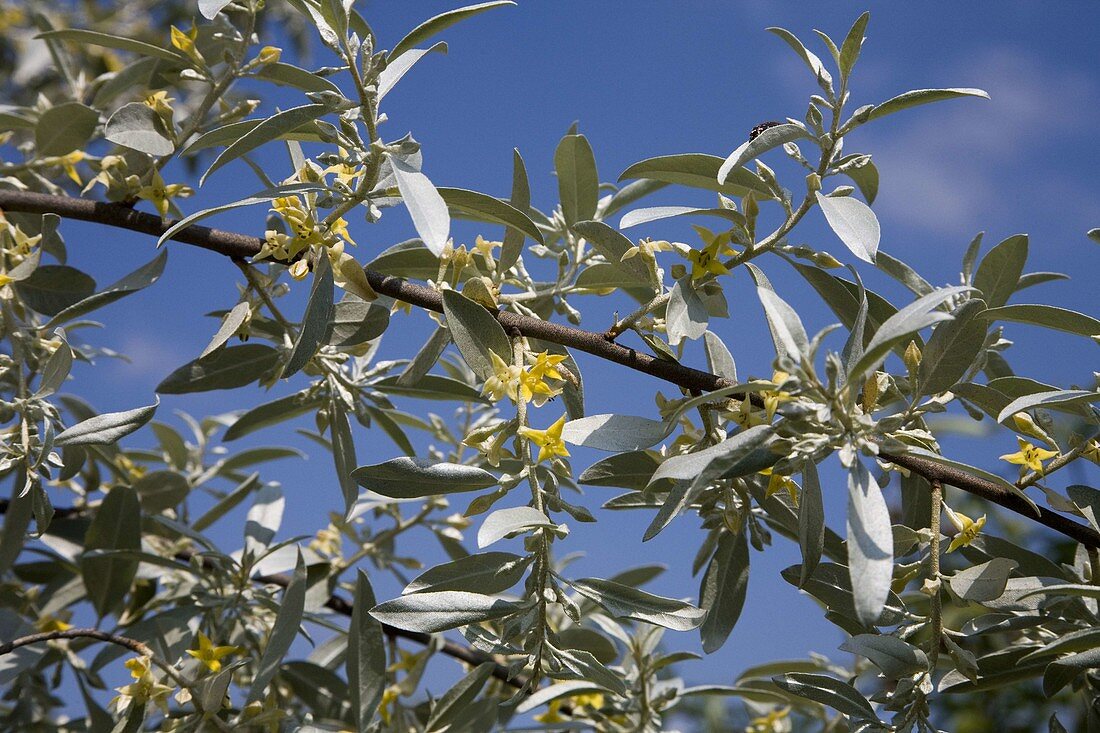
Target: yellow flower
(1029, 455)
(504, 382)
(1091, 451)
(485, 248)
(211, 655)
(552, 714)
(50, 622)
(549, 440)
(161, 103)
(774, 398)
(186, 42)
(327, 541)
(532, 388)
(299, 270)
(705, 261)
(968, 529)
(592, 700)
(145, 689)
(68, 164)
(161, 195)
(345, 172)
(647, 249)
(777, 483)
(774, 722)
(21, 243)
(389, 695)
(545, 365)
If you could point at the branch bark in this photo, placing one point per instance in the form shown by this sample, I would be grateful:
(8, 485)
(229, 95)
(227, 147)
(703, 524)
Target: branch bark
(236, 245)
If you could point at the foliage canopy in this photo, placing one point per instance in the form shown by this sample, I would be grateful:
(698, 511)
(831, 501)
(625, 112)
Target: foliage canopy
(105, 551)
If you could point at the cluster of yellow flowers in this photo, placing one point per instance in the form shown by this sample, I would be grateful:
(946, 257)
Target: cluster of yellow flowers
(528, 384)
(705, 261)
(305, 232)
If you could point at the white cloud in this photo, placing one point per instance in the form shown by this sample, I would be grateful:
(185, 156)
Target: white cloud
(952, 169)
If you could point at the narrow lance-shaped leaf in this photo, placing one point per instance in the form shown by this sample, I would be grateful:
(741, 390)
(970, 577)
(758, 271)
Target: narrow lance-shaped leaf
(504, 522)
(315, 322)
(234, 366)
(870, 545)
(853, 43)
(439, 23)
(287, 621)
(999, 271)
(426, 206)
(724, 585)
(952, 349)
(107, 428)
(116, 526)
(106, 40)
(840, 696)
(786, 326)
(482, 207)
(406, 478)
(433, 612)
(915, 98)
(624, 601)
(912, 318)
(772, 137)
(366, 659)
(811, 522)
(578, 182)
(139, 279)
(270, 129)
(1057, 399)
(1047, 316)
(808, 57)
(698, 170)
(512, 245)
(343, 454)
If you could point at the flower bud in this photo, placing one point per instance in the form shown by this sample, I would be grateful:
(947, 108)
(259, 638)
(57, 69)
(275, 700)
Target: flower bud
(270, 54)
(813, 182)
(912, 357)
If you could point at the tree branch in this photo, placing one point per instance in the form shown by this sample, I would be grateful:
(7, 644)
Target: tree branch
(132, 644)
(238, 245)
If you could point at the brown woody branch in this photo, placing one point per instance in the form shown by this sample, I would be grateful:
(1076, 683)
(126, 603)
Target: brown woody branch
(238, 245)
(132, 644)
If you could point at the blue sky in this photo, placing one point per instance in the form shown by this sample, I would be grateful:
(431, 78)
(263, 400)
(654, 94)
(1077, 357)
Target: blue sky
(653, 78)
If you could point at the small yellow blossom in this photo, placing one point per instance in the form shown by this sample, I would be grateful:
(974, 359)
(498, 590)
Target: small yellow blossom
(211, 655)
(345, 172)
(1091, 451)
(161, 103)
(327, 541)
(705, 261)
(968, 529)
(485, 248)
(161, 195)
(49, 622)
(145, 689)
(777, 721)
(68, 163)
(545, 365)
(778, 483)
(186, 42)
(1029, 455)
(647, 249)
(549, 441)
(774, 398)
(299, 270)
(552, 714)
(389, 696)
(504, 382)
